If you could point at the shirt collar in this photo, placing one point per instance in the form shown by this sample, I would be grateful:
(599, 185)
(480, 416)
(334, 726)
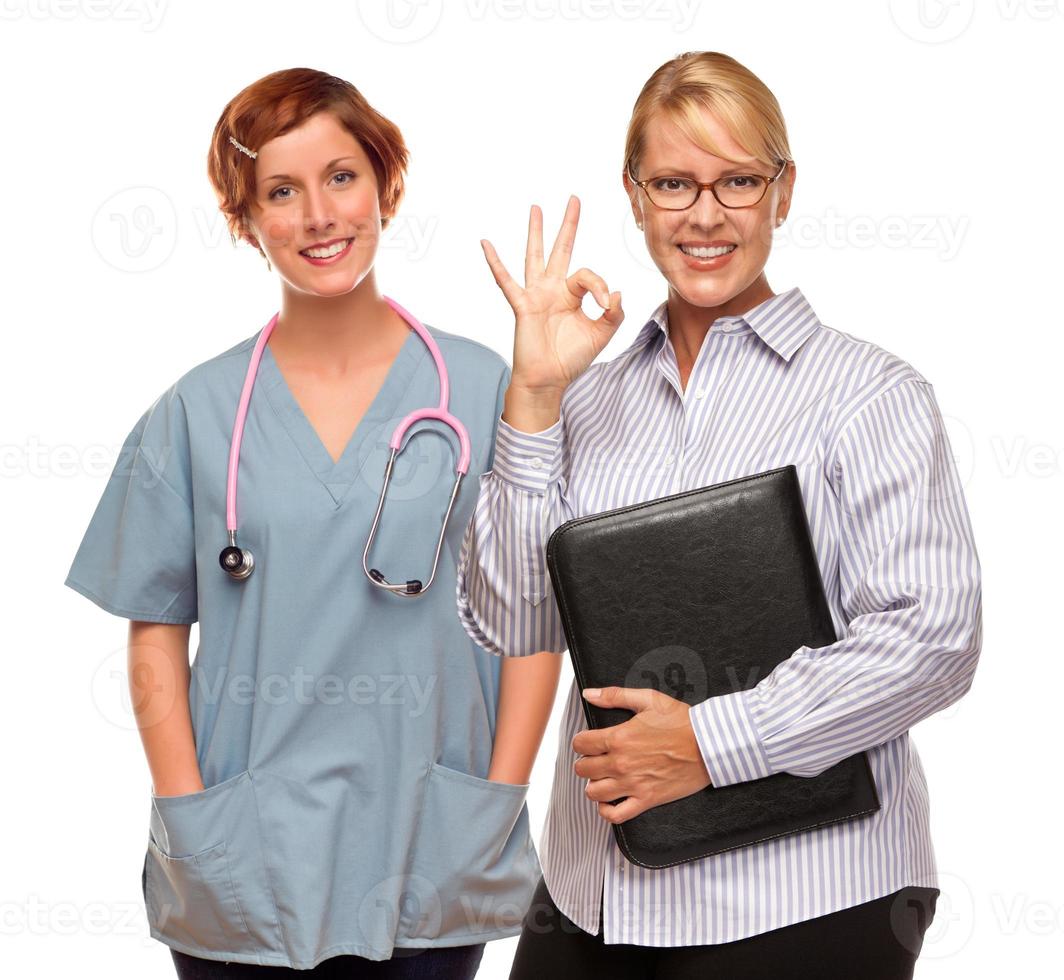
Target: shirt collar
(784, 322)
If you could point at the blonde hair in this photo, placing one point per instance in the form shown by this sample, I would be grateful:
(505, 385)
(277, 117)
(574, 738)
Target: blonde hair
(699, 80)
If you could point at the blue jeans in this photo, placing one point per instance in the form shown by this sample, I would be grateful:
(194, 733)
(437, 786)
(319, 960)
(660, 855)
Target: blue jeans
(444, 963)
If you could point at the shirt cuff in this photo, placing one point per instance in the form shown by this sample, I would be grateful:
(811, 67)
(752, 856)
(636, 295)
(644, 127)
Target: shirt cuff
(728, 739)
(525, 459)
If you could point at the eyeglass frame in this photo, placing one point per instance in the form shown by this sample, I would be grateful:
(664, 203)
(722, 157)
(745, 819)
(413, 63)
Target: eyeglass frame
(710, 186)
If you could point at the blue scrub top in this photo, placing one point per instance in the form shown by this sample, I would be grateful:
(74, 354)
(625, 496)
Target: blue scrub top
(343, 733)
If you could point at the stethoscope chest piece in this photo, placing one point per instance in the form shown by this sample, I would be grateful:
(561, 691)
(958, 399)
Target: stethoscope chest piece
(238, 563)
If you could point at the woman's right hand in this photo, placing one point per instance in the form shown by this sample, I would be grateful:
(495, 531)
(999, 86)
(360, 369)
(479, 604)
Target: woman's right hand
(554, 340)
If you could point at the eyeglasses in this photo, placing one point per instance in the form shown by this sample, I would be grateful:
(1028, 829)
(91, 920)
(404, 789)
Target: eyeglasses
(733, 191)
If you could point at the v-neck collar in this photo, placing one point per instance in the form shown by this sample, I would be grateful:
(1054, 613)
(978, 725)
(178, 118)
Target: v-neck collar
(338, 476)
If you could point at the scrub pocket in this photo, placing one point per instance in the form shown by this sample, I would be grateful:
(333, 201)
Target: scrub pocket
(205, 883)
(474, 867)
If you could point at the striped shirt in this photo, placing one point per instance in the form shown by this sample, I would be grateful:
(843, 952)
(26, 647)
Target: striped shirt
(894, 544)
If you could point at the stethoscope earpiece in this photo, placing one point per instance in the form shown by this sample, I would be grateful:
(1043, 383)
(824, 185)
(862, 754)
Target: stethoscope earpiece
(413, 586)
(238, 563)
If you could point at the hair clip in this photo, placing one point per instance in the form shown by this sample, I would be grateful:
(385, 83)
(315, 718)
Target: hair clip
(242, 148)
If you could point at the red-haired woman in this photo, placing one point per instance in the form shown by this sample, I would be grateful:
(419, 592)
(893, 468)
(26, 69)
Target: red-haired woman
(325, 793)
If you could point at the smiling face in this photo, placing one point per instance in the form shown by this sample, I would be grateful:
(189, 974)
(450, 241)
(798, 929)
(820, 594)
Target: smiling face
(706, 279)
(316, 210)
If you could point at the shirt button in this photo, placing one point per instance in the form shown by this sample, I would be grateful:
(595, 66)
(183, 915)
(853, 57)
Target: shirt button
(536, 463)
(670, 459)
(700, 393)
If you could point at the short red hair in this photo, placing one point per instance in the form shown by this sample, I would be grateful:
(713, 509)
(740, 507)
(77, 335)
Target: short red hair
(282, 101)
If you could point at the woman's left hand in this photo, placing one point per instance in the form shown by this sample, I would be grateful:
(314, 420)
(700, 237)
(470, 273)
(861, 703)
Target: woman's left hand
(652, 758)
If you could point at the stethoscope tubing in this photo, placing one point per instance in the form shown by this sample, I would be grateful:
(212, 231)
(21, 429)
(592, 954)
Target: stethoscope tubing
(239, 563)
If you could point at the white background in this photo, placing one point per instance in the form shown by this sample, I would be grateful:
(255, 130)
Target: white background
(926, 219)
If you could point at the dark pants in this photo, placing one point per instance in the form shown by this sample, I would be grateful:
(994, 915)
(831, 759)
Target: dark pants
(877, 940)
(444, 963)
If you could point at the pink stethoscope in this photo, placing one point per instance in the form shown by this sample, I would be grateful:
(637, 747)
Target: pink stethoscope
(239, 563)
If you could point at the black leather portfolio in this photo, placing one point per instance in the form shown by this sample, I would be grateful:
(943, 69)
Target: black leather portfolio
(700, 594)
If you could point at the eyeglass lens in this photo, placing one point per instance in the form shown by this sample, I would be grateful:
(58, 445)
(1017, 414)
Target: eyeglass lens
(680, 192)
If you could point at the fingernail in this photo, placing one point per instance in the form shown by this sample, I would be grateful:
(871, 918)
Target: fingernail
(592, 692)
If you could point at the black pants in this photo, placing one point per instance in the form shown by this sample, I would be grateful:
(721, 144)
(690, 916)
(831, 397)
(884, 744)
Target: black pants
(877, 940)
(444, 963)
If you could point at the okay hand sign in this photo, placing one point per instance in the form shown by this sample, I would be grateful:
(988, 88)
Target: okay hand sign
(554, 339)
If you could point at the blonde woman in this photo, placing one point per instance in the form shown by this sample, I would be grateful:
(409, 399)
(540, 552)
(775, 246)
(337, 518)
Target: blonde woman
(727, 378)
